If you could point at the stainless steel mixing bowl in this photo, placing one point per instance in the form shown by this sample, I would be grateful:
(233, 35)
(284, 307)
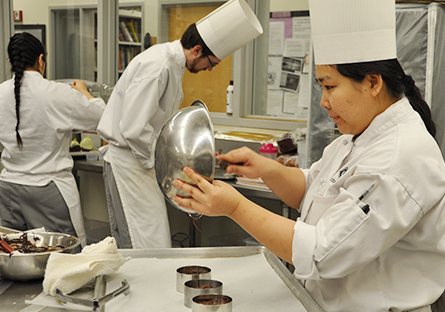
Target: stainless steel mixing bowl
(30, 266)
(186, 139)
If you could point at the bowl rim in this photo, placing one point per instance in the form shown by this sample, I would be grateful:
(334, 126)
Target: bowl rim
(20, 254)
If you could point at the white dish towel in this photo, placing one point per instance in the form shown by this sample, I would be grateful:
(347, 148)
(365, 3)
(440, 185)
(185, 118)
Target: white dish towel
(69, 272)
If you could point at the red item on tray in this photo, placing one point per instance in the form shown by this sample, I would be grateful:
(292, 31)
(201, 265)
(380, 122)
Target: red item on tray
(6, 247)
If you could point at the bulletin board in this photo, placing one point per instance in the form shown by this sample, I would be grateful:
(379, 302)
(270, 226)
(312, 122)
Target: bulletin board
(288, 85)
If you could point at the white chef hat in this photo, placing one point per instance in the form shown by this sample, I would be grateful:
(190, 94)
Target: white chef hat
(352, 31)
(229, 27)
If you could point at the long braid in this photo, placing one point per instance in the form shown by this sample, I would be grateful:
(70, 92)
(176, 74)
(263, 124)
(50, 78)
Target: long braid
(414, 95)
(24, 50)
(18, 66)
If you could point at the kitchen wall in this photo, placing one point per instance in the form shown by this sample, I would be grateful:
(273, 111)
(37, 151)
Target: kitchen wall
(37, 12)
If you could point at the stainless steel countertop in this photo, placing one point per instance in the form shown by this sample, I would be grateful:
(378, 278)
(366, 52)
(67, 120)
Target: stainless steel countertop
(13, 299)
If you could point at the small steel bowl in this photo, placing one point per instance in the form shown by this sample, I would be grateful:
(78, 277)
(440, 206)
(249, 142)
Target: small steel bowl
(29, 266)
(212, 303)
(186, 139)
(198, 287)
(191, 272)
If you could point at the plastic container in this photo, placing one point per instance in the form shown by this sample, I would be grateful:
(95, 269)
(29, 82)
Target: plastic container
(269, 150)
(229, 106)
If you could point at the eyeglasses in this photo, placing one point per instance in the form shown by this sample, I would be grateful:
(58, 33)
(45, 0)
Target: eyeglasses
(211, 63)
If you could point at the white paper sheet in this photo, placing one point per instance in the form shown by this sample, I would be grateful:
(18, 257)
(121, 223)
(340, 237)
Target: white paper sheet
(274, 102)
(301, 27)
(295, 47)
(44, 300)
(276, 38)
(289, 81)
(304, 98)
(274, 72)
(290, 102)
(250, 281)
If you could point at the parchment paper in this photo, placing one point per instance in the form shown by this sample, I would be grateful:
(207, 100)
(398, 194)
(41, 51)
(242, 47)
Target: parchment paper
(250, 281)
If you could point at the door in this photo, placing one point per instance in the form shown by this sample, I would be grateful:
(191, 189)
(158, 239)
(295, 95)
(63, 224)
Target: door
(209, 87)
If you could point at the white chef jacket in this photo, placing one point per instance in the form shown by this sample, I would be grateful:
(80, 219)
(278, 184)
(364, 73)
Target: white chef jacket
(393, 257)
(49, 112)
(145, 97)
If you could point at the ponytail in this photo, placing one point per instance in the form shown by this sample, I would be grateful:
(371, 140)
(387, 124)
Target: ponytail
(412, 92)
(23, 50)
(397, 83)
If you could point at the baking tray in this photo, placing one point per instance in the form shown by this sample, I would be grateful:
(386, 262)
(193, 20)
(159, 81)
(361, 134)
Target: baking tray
(187, 256)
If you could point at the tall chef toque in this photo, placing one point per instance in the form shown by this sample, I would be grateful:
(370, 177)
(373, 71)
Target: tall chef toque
(352, 31)
(229, 27)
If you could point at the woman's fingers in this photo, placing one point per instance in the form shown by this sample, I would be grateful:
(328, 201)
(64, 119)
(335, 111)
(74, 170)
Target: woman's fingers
(207, 198)
(193, 190)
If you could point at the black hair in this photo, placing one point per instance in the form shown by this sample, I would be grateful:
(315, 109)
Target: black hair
(191, 38)
(397, 83)
(24, 50)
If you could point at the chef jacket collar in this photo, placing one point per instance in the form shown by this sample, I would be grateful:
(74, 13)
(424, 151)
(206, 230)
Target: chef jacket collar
(392, 116)
(179, 58)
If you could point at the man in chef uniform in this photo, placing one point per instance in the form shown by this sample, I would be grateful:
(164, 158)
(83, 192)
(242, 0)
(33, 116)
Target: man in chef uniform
(148, 93)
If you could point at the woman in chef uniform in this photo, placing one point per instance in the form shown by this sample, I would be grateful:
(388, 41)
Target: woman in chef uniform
(37, 117)
(371, 232)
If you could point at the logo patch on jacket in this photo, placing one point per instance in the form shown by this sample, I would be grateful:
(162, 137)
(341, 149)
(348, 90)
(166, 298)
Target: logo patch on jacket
(340, 173)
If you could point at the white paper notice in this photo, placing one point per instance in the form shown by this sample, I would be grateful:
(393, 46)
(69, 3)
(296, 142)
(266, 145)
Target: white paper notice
(295, 47)
(292, 65)
(304, 98)
(276, 38)
(274, 102)
(289, 81)
(301, 27)
(274, 72)
(290, 102)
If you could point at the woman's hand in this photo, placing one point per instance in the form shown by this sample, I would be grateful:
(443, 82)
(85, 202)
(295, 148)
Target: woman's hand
(253, 164)
(210, 199)
(80, 86)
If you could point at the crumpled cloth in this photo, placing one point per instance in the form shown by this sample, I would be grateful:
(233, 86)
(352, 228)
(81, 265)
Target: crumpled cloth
(69, 272)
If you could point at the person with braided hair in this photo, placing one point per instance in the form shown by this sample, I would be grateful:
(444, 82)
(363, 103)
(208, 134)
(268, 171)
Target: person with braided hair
(371, 231)
(37, 117)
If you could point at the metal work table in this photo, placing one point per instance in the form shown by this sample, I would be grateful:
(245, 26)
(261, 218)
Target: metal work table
(243, 286)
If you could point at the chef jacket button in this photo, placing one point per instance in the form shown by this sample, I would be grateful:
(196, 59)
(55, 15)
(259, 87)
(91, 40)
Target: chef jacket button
(322, 182)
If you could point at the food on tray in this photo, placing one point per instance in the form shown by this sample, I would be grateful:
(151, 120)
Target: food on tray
(193, 270)
(23, 245)
(212, 299)
(289, 160)
(75, 146)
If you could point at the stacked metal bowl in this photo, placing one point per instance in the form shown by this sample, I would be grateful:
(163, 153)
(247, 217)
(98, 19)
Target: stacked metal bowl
(29, 266)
